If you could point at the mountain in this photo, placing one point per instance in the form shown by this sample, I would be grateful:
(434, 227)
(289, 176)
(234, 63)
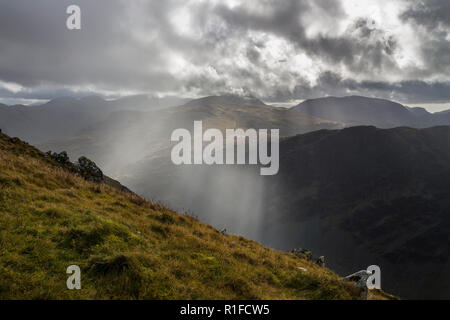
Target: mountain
(227, 100)
(356, 110)
(363, 196)
(126, 138)
(66, 117)
(129, 248)
(418, 111)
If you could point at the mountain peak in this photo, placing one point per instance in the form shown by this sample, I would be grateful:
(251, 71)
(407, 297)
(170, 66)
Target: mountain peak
(60, 101)
(359, 110)
(93, 99)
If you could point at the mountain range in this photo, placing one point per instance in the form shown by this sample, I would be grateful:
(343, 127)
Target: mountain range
(65, 117)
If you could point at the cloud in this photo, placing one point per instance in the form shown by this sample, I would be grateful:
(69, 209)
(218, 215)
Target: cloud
(432, 24)
(432, 14)
(273, 49)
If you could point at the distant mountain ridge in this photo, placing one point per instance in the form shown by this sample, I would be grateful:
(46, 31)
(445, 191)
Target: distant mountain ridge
(125, 138)
(66, 116)
(358, 110)
(226, 100)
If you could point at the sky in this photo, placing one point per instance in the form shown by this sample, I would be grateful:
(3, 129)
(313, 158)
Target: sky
(278, 51)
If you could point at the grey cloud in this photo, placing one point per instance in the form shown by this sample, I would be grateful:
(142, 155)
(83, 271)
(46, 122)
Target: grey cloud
(430, 13)
(37, 49)
(363, 48)
(434, 17)
(134, 46)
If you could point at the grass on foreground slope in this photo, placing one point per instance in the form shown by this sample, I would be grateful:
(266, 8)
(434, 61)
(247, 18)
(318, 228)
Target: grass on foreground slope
(127, 247)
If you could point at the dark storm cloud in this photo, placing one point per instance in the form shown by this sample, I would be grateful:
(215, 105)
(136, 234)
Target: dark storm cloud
(273, 49)
(430, 13)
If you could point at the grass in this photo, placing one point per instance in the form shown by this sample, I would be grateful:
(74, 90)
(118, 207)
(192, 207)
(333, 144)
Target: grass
(127, 247)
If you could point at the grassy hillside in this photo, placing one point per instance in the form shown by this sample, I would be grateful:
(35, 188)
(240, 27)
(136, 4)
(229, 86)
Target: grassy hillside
(127, 247)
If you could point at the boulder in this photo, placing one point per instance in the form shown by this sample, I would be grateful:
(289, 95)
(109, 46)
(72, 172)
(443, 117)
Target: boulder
(61, 158)
(306, 254)
(359, 278)
(360, 281)
(89, 170)
(321, 261)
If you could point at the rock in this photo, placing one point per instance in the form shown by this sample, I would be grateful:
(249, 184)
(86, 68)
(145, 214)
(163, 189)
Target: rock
(359, 278)
(303, 253)
(321, 261)
(84, 167)
(89, 170)
(61, 158)
(360, 281)
(306, 254)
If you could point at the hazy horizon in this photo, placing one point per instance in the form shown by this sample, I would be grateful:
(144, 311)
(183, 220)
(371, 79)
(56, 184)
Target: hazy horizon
(430, 107)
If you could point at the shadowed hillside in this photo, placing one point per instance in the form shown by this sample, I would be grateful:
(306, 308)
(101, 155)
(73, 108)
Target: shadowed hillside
(366, 196)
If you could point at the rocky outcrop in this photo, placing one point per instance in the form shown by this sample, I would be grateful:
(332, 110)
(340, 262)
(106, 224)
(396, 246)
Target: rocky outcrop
(306, 254)
(89, 170)
(61, 158)
(320, 261)
(84, 167)
(360, 281)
